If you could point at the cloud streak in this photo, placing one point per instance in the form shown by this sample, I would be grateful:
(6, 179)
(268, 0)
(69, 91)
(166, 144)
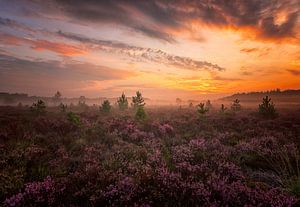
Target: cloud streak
(144, 54)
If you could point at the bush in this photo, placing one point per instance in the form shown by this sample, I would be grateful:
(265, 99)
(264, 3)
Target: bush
(63, 107)
(138, 101)
(140, 114)
(39, 107)
(74, 119)
(236, 106)
(122, 102)
(201, 109)
(223, 109)
(267, 108)
(105, 107)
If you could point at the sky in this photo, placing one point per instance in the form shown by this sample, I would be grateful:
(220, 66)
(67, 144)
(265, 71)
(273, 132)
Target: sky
(165, 49)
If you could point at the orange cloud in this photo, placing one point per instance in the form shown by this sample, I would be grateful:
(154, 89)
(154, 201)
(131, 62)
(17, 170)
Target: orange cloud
(41, 45)
(10, 39)
(57, 47)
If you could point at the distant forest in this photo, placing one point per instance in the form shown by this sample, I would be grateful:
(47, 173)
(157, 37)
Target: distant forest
(276, 95)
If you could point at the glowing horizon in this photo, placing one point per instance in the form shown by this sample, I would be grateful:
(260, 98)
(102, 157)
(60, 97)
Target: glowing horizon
(166, 49)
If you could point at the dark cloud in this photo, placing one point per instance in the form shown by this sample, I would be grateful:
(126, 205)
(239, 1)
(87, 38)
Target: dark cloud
(144, 54)
(157, 19)
(15, 25)
(294, 72)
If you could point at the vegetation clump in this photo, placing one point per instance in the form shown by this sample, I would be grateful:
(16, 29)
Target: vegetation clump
(39, 107)
(105, 107)
(122, 102)
(223, 109)
(138, 100)
(202, 109)
(267, 108)
(74, 118)
(236, 106)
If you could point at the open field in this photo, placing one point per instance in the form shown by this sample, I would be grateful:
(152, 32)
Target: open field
(172, 158)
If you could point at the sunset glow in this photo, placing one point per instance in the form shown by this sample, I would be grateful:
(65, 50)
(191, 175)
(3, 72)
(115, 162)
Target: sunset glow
(166, 49)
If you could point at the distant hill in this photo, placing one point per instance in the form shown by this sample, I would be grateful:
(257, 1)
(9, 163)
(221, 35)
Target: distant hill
(285, 96)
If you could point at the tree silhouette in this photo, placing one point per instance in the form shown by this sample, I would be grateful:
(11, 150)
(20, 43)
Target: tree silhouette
(138, 101)
(106, 107)
(267, 108)
(201, 109)
(122, 102)
(57, 98)
(236, 106)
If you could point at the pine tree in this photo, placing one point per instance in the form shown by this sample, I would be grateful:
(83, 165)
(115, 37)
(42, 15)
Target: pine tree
(140, 114)
(122, 102)
(106, 107)
(57, 97)
(267, 108)
(138, 101)
(236, 106)
(39, 107)
(223, 109)
(201, 109)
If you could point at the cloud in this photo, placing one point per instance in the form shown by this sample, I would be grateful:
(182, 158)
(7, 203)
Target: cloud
(270, 19)
(40, 45)
(58, 47)
(259, 51)
(249, 50)
(70, 70)
(15, 25)
(144, 54)
(294, 72)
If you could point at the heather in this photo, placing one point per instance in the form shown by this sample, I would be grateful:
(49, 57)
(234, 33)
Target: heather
(164, 156)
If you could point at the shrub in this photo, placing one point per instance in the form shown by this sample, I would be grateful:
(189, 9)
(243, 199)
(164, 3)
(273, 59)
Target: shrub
(140, 114)
(122, 102)
(39, 107)
(57, 97)
(106, 107)
(63, 107)
(223, 109)
(201, 109)
(74, 119)
(267, 108)
(138, 101)
(208, 104)
(236, 106)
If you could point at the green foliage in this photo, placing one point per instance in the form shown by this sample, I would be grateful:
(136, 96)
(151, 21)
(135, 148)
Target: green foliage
(201, 109)
(236, 106)
(105, 107)
(122, 102)
(267, 108)
(140, 114)
(74, 119)
(39, 107)
(138, 101)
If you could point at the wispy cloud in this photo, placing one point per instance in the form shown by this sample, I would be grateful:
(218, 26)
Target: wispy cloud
(294, 72)
(40, 45)
(144, 54)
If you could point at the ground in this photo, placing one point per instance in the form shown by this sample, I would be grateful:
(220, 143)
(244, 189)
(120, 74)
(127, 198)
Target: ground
(173, 158)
